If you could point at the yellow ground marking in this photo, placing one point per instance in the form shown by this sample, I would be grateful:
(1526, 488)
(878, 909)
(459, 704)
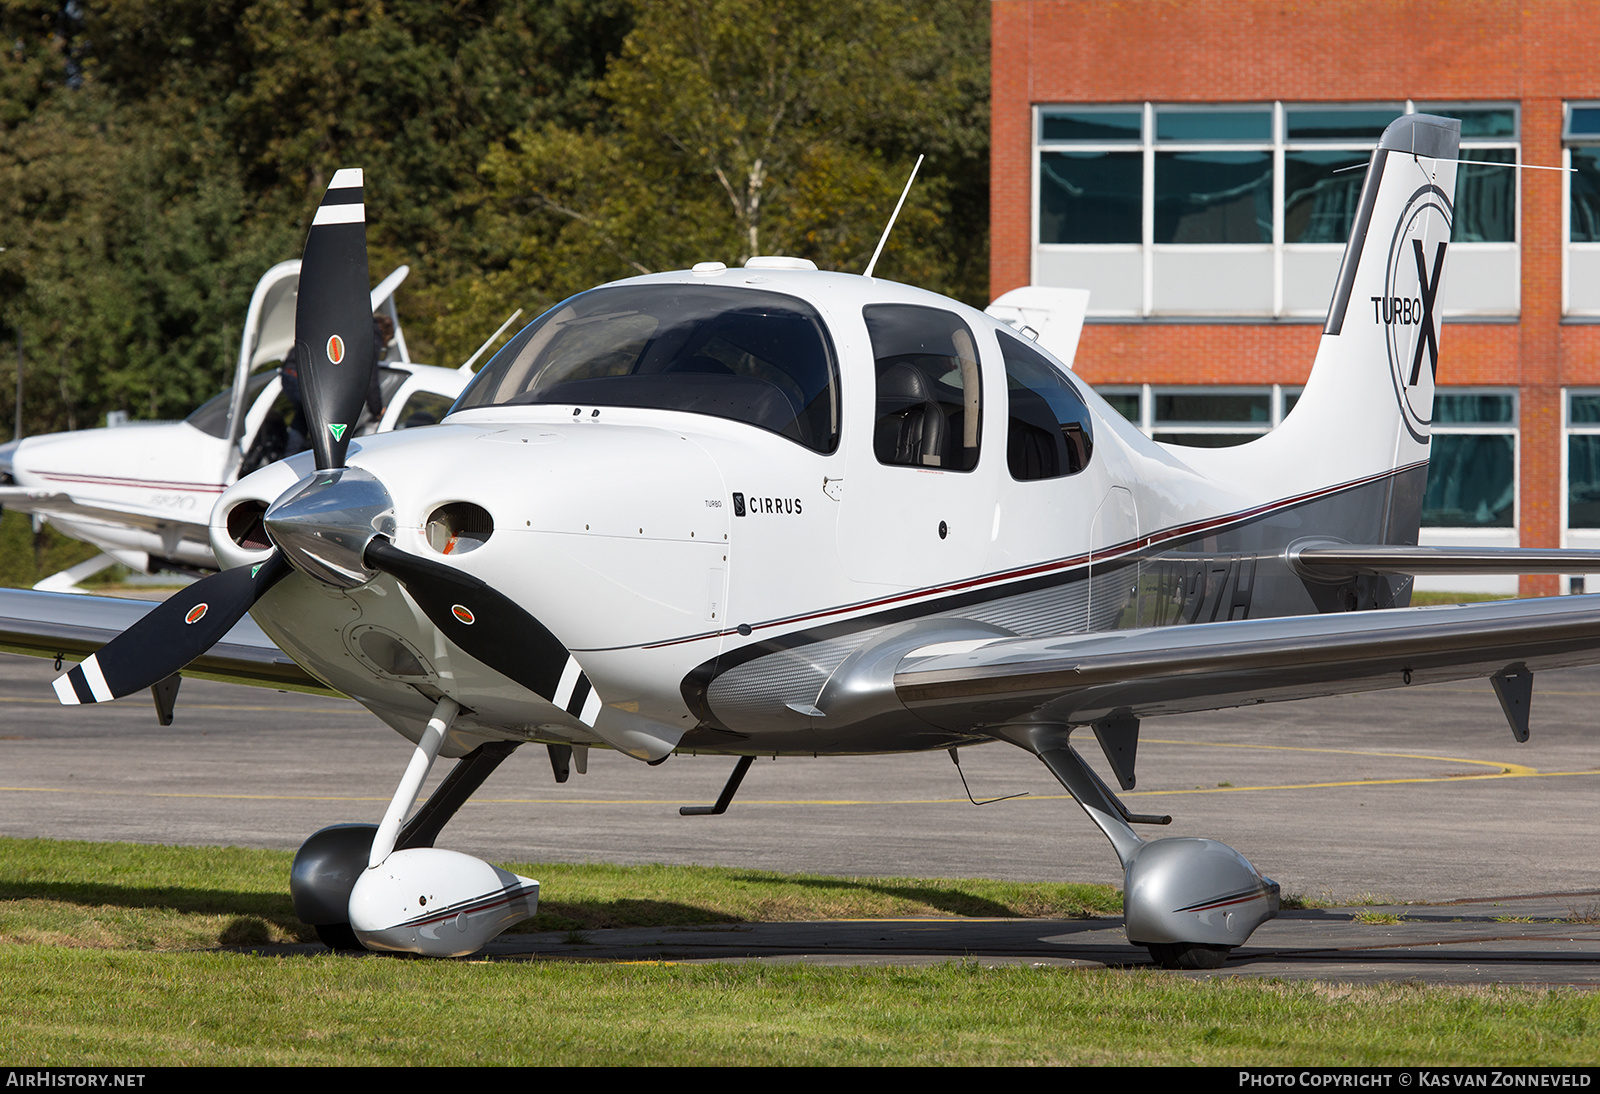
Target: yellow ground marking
(1506, 768)
(1506, 771)
(1506, 774)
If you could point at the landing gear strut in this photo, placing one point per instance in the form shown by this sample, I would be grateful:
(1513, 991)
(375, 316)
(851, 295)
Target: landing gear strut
(1189, 901)
(336, 860)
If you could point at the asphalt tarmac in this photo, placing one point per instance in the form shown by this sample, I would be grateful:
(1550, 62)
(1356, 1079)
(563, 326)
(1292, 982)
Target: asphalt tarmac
(1415, 796)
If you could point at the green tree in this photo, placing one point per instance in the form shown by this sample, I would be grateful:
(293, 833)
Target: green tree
(741, 127)
(156, 158)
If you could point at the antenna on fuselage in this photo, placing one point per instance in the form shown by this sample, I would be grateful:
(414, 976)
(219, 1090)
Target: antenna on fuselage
(890, 226)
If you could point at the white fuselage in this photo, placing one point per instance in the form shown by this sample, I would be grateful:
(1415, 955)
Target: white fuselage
(617, 528)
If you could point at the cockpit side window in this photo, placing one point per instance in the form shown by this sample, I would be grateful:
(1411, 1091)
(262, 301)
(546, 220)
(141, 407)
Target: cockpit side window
(751, 356)
(1050, 434)
(930, 394)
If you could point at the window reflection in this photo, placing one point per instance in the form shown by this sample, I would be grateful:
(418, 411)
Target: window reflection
(1583, 480)
(1090, 197)
(1321, 189)
(1585, 203)
(1213, 197)
(1486, 198)
(1471, 481)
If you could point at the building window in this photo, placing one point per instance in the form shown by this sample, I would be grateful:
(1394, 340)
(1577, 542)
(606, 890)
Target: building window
(1202, 417)
(1582, 421)
(1472, 465)
(1581, 154)
(1243, 210)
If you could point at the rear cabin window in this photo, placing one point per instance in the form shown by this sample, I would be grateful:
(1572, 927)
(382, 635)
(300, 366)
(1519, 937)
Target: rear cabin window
(1049, 434)
(750, 356)
(930, 396)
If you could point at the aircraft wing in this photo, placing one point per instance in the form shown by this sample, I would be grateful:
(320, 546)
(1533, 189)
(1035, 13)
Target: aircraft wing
(72, 626)
(50, 503)
(1083, 679)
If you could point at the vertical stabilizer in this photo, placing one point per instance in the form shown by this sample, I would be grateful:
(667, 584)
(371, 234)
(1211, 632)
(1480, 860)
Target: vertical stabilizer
(1368, 406)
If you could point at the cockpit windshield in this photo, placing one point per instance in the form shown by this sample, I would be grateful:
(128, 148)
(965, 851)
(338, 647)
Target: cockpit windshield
(747, 355)
(211, 416)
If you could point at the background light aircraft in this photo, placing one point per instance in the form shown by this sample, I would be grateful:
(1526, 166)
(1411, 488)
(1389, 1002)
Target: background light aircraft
(142, 492)
(770, 510)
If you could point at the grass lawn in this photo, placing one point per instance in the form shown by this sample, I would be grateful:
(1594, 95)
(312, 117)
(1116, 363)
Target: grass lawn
(128, 969)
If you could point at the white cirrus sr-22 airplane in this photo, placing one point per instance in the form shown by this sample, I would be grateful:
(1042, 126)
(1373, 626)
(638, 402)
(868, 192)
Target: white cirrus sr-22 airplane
(142, 492)
(774, 511)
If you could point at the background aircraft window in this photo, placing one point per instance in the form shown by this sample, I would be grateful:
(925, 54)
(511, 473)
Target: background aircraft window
(1049, 433)
(211, 416)
(1472, 468)
(930, 396)
(389, 382)
(750, 356)
(423, 408)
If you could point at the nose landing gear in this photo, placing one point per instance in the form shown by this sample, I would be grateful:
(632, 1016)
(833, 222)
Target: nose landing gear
(413, 898)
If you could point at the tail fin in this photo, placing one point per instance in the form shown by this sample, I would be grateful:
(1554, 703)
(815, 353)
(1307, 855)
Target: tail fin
(1368, 406)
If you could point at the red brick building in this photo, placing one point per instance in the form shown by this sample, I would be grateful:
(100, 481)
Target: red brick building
(1181, 161)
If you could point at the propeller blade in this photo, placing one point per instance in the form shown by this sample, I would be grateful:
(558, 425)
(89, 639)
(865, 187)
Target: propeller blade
(333, 319)
(174, 633)
(491, 627)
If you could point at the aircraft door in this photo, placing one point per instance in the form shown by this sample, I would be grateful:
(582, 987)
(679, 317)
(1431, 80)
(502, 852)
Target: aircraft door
(917, 507)
(1113, 570)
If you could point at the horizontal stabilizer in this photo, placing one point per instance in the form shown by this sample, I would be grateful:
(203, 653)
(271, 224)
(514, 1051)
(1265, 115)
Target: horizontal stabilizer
(1334, 562)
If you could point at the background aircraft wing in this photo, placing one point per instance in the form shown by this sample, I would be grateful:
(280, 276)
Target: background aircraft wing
(72, 626)
(23, 499)
(1083, 679)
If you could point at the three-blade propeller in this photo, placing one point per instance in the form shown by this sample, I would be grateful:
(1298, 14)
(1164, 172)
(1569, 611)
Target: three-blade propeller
(333, 344)
(332, 526)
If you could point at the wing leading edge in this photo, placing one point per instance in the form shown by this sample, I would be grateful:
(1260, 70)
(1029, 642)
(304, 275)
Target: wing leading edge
(1081, 680)
(72, 626)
